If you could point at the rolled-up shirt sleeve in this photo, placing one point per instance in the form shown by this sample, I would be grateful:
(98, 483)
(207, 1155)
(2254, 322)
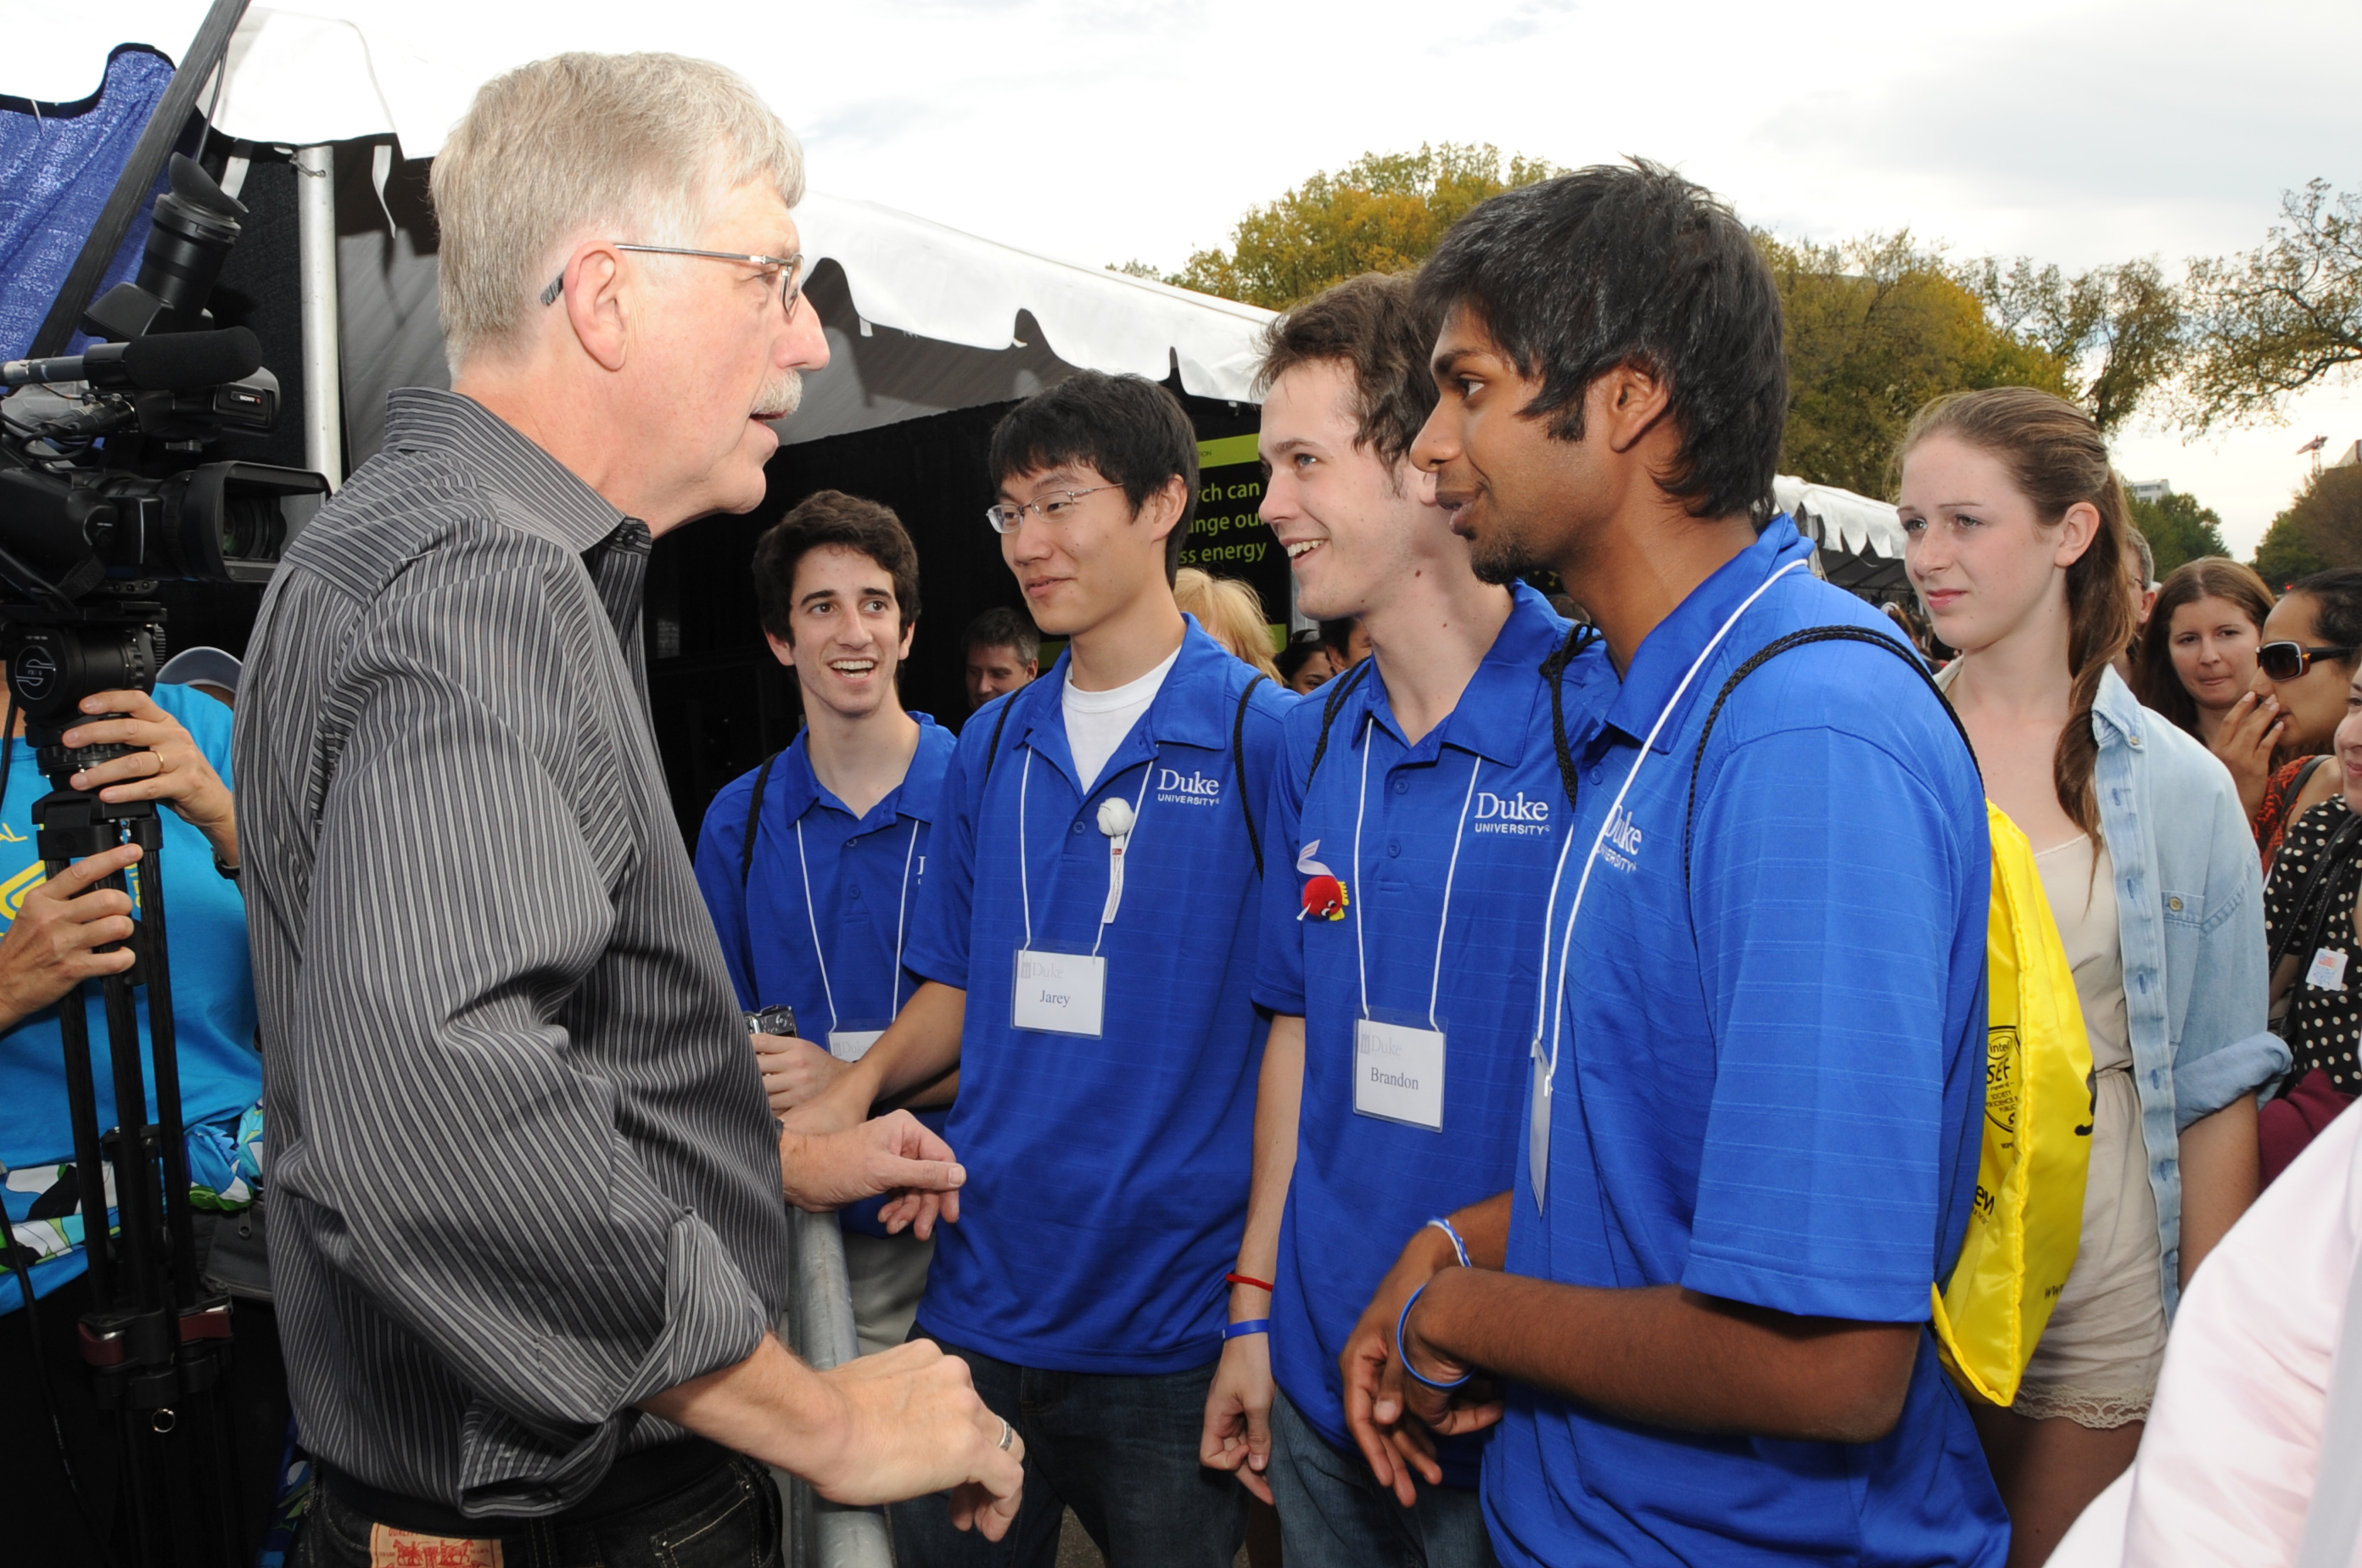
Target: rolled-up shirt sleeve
(464, 1166)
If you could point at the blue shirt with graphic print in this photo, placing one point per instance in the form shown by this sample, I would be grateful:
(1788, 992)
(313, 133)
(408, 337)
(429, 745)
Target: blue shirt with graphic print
(212, 1017)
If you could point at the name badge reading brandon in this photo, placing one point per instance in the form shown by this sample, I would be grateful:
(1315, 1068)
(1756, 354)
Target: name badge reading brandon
(1398, 1072)
(1061, 993)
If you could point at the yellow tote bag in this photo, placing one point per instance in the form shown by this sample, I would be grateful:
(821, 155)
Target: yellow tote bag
(2028, 1221)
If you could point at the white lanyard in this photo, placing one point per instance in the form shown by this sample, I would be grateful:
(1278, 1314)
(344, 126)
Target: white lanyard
(1545, 1011)
(1117, 847)
(894, 987)
(1444, 920)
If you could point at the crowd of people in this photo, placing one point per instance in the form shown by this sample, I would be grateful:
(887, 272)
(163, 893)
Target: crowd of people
(1503, 1080)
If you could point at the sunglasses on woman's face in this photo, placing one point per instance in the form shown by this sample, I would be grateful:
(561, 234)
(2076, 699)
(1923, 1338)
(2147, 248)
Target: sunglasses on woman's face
(2286, 661)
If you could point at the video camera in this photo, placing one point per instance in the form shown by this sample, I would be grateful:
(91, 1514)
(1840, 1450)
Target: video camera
(106, 493)
(103, 489)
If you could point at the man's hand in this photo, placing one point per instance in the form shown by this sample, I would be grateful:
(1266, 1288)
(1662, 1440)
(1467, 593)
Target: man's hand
(895, 1153)
(1389, 1414)
(1237, 1436)
(168, 767)
(795, 1071)
(878, 1429)
(2250, 732)
(915, 1426)
(49, 951)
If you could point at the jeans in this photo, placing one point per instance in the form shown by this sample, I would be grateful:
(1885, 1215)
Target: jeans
(732, 1515)
(1121, 1451)
(1333, 1513)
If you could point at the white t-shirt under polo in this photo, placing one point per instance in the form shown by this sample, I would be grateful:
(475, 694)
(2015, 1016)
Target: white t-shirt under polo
(1097, 721)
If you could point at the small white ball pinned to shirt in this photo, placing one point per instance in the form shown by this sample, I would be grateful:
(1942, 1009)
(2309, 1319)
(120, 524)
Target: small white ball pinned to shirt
(1115, 817)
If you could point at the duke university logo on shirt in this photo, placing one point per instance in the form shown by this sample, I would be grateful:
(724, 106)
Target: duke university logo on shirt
(1621, 847)
(1189, 789)
(1522, 814)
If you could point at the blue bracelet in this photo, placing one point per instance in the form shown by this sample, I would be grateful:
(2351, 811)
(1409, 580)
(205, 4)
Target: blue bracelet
(1459, 1247)
(1251, 1326)
(1404, 1357)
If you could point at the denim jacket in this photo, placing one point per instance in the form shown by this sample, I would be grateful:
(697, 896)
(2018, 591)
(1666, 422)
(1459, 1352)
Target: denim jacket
(2191, 918)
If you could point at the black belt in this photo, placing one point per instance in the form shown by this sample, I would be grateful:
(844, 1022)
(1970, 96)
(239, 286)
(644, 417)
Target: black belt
(633, 1482)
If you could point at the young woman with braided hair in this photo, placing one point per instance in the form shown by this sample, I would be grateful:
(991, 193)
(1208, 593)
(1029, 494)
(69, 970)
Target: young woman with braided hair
(2017, 529)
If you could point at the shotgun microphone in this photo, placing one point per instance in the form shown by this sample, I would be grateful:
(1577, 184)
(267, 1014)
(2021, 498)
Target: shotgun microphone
(162, 361)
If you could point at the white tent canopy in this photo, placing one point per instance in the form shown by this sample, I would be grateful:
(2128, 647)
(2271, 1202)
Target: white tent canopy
(974, 321)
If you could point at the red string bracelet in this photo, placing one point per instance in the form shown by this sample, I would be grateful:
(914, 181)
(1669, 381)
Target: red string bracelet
(1249, 1279)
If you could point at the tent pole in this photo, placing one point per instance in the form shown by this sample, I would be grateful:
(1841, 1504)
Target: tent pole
(324, 402)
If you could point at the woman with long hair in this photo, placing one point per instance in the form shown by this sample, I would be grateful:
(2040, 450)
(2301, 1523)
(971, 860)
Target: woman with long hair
(2016, 531)
(2199, 657)
(2312, 640)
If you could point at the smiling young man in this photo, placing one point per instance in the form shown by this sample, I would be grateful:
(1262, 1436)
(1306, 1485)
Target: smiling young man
(1755, 1088)
(811, 864)
(1088, 936)
(1398, 1040)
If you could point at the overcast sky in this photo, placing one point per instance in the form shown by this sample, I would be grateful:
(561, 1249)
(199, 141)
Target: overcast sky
(1105, 130)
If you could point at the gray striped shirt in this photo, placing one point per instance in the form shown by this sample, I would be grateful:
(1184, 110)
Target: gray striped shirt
(522, 1170)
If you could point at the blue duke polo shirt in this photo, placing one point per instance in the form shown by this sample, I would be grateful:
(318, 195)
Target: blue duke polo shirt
(1478, 804)
(1107, 1177)
(1770, 1084)
(865, 875)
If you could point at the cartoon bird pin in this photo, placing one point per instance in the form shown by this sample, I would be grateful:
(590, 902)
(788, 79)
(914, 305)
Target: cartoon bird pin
(1324, 895)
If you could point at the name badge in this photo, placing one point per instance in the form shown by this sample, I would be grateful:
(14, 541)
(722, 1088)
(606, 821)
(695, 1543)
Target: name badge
(2328, 971)
(1398, 1072)
(852, 1044)
(1538, 1128)
(1061, 993)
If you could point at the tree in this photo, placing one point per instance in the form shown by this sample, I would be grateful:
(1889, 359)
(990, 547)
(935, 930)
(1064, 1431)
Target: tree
(2322, 528)
(1382, 213)
(2280, 317)
(2180, 530)
(1876, 327)
(2128, 317)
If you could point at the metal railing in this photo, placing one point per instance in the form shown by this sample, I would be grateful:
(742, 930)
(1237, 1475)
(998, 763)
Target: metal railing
(821, 1534)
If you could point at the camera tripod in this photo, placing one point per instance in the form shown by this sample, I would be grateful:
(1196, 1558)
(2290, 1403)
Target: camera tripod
(156, 1345)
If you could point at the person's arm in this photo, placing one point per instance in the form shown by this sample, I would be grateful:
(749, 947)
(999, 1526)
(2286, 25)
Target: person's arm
(878, 1429)
(2225, 1051)
(1237, 1435)
(2221, 1175)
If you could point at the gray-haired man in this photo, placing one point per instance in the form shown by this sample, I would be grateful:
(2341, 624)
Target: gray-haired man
(529, 1188)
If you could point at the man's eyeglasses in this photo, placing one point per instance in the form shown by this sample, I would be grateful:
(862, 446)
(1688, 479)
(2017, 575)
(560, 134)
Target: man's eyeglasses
(1058, 505)
(789, 267)
(2286, 661)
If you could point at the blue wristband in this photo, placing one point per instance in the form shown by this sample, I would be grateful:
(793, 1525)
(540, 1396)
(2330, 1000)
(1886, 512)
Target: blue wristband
(1404, 1357)
(1251, 1326)
(1459, 1247)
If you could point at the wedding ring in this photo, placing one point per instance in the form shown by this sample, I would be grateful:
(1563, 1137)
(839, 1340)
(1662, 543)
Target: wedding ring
(1008, 1436)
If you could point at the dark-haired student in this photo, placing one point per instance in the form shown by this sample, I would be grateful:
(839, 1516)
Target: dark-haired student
(1705, 1299)
(2311, 647)
(1414, 829)
(813, 914)
(1089, 937)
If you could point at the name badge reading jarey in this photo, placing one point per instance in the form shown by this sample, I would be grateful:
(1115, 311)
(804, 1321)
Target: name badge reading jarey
(1061, 993)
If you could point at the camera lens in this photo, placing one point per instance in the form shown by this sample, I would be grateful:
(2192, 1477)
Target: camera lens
(252, 528)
